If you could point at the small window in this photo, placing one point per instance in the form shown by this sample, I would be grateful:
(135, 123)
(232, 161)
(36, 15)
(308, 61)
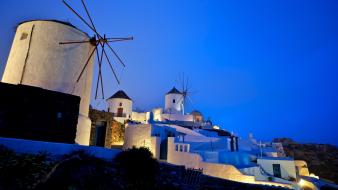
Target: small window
(120, 103)
(176, 147)
(59, 115)
(23, 36)
(181, 148)
(174, 101)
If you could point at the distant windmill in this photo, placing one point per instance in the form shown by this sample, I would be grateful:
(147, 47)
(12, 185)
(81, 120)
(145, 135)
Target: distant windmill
(183, 82)
(99, 41)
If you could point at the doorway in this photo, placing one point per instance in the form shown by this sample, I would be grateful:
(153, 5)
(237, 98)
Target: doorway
(119, 112)
(164, 149)
(100, 133)
(276, 170)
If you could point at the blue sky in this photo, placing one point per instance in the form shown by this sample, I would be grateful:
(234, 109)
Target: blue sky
(266, 67)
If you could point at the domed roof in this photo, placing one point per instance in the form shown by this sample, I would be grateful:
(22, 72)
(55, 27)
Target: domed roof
(196, 112)
(120, 94)
(174, 91)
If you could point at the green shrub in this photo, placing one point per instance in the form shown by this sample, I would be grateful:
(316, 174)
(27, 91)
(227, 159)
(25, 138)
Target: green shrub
(137, 168)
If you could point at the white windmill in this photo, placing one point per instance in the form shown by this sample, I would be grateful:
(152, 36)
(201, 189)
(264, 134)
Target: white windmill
(55, 55)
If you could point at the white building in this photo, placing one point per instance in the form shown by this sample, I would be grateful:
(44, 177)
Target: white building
(37, 59)
(174, 102)
(279, 167)
(121, 106)
(210, 151)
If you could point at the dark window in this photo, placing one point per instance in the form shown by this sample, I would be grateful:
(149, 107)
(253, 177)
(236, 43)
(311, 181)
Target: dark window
(176, 147)
(276, 170)
(185, 148)
(59, 115)
(23, 36)
(174, 100)
(120, 103)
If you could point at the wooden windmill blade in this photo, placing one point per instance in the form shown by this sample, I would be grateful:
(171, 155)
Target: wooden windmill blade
(84, 67)
(104, 52)
(88, 15)
(122, 38)
(99, 76)
(185, 90)
(81, 18)
(74, 42)
(99, 41)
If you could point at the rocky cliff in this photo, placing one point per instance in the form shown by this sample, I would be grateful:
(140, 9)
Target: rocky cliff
(322, 159)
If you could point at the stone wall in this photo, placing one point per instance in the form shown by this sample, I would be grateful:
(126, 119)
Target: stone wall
(114, 129)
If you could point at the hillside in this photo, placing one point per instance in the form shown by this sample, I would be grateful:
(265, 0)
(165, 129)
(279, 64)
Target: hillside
(322, 159)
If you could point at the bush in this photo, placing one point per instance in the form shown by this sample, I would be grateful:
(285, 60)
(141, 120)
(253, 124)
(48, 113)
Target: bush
(79, 170)
(137, 168)
(22, 171)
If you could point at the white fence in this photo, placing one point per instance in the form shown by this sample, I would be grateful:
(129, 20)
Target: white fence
(55, 149)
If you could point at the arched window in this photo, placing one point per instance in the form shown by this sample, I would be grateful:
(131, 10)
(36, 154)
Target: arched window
(174, 100)
(120, 103)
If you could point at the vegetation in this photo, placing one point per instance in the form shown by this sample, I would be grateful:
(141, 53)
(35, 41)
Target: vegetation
(22, 171)
(137, 168)
(131, 169)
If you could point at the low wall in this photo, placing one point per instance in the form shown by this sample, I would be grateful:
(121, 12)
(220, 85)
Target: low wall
(189, 160)
(226, 172)
(55, 149)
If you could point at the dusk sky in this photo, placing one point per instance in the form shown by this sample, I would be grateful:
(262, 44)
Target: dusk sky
(266, 67)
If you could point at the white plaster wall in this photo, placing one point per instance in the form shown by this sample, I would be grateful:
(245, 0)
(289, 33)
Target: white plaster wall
(142, 117)
(302, 167)
(53, 66)
(114, 104)
(171, 107)
(224, 171)
(140, 136)
(137, 135)
(155, 147)
(157, 113)
(189, 160)
(288, 168)
(271, 154)
(177, 117)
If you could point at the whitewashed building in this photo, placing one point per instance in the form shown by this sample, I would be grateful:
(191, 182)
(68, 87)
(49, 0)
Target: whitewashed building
(121, 106)
(37, 59)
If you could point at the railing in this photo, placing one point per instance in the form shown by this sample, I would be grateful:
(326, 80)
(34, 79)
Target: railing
(119, 115)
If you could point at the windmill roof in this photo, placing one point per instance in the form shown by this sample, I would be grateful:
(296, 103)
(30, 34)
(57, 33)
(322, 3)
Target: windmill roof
(120, 94)
(174, 91)
(53, 20)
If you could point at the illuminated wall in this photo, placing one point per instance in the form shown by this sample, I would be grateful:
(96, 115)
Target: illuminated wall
(37, 59)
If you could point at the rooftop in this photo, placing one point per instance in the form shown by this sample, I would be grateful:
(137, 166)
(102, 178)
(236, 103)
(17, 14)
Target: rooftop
(174, 91)
(120, 94)
(276, 158)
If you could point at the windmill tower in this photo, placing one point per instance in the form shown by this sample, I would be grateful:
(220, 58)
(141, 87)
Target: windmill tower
(173, 101)
(57, 56)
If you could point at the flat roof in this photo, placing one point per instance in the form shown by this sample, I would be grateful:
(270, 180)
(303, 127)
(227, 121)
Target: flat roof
(276, 158)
